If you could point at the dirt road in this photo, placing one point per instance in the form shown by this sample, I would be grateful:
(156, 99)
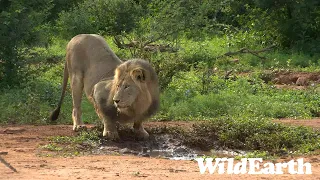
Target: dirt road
(22, 145)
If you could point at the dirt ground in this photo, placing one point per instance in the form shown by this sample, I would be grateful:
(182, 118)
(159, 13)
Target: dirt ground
(290, 80)
(21, 143)
(314, 123)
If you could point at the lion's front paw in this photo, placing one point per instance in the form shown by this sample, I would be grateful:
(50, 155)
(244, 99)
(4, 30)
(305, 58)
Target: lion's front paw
(141, 134)
(79, 128)
(111, 135)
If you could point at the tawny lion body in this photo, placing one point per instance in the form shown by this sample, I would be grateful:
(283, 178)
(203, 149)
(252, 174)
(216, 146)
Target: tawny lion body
(120, 91)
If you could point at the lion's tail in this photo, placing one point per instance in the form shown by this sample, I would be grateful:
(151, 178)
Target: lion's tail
(54, 115)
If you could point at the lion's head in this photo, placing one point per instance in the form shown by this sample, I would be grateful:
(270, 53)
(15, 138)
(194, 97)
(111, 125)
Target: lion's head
(134, 87)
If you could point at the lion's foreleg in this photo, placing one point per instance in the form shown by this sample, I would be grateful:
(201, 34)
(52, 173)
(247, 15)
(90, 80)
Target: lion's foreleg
(109, 127)
(140, 132)
(110, 130)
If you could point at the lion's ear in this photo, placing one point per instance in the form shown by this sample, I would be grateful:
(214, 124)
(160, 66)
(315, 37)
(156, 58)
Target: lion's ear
(138, 74)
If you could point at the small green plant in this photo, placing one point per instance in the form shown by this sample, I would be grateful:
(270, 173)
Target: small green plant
(52, 147)
(77, 145)
(83, 136)
(258, 134)
(185, 99)
(256, 154)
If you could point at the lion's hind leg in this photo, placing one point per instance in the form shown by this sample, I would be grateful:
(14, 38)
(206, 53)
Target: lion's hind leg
(77, 89)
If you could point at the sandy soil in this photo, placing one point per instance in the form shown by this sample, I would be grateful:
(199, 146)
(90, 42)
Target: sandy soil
(314, 123)
(22, 145)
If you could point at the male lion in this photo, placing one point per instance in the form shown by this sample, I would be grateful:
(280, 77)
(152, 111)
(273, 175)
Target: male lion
(120, 91)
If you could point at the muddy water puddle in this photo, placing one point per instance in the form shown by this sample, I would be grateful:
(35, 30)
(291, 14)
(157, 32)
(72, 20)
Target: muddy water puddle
(161, 146)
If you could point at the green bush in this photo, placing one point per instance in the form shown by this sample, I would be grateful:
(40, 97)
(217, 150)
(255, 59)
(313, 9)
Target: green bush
(256, 133)
(23, 106)
(110, 17)
(183, 99)
(22, 25)
(166, 66)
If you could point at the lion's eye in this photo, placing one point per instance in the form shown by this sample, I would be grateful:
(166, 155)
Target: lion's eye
(126, 86)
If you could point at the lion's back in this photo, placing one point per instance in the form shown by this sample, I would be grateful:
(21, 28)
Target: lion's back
(90, 56)
(90, 49)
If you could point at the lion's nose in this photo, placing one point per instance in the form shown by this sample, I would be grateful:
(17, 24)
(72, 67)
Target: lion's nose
(116, 101)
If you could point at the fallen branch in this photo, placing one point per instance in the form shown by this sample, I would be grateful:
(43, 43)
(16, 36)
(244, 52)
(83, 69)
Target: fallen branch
(145, 46)
(160, 48)
(228, 73)
(246, 50)
(3, 153)
(7, 164)
(163, 36)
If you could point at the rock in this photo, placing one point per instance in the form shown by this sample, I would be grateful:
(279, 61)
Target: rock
(144, 154)
(3, 153)
(302, 81)
(13, 130)
(181, 150)
(125, 151)
(144, 150)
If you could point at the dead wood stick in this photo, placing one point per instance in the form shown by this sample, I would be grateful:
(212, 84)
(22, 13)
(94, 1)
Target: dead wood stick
(246, 50)
(7, 164)
(226, 76)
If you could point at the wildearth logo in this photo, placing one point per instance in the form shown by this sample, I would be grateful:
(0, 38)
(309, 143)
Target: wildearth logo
(252, 166)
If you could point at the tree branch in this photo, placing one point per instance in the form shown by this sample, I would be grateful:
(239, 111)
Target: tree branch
(7, 164)
(160, 37)
(118, 40)
(246, 50)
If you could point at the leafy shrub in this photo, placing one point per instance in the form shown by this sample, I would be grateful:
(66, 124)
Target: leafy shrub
(166, 66)
(22, 106)
(256, 133)
(110, 17)
(23, 25)
(183, 99)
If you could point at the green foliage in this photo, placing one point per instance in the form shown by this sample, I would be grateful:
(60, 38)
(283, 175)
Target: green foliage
(184, 98)
(166, 66)
(52, 147)
(173, 17)
(254, 133)
(247, 23)
(290, 23)
(192, 80)
(110, 17)
(32, 104)
(34, 99)
(22, 23)
(22, 106)
(256, 154)
(202, 51)
(67, 146)
(61, 5)
(83, 136)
